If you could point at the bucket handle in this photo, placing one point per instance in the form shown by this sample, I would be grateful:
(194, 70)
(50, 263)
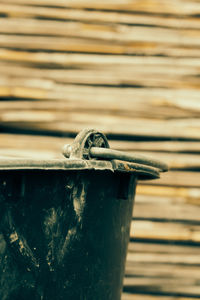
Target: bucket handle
(91, 144)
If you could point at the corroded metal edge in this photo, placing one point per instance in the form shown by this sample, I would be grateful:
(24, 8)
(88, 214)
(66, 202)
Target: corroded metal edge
(142, 171)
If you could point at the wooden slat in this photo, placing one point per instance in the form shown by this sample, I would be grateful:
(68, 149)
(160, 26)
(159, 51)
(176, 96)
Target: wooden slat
(146, 49)
(46, 143)
(170, 248)
(166, 208)
(105, 31)
(73, 122)
(121, 34)
(167, 264)
(180, 266)
(47, 88)
(168, 7)
(127, 296)
(80, 61)
(96, 62)
(140, 40)
(108, 77)
(116, 17)
(178, 179)
(60, 44)
(150, 230)
(159, 285)
(173, 191)
(107, 17)
(143, 108)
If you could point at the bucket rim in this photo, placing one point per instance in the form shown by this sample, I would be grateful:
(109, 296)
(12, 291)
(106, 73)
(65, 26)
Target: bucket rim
(141, 171)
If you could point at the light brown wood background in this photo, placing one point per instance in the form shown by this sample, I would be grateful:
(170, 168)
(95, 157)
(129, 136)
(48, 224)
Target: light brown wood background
(131, 69)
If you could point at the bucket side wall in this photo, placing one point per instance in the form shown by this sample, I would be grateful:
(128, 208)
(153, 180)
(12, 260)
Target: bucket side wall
(64, 234)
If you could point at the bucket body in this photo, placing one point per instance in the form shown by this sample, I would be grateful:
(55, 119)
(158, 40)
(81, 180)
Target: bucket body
(64, 233)
(64, 223)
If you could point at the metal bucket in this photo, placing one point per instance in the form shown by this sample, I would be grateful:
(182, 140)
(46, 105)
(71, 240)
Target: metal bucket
(64, 224)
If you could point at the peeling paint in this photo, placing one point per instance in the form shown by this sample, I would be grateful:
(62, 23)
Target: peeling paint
(13, 237)
(79, 196)
(24, 250)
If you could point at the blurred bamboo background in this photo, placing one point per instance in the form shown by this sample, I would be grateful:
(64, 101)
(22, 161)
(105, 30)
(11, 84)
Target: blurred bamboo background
(131, 69)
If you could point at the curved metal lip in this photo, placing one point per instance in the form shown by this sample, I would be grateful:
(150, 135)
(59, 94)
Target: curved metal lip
(141, 171)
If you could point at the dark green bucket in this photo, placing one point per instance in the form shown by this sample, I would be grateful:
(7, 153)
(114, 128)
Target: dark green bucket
(64, 226)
